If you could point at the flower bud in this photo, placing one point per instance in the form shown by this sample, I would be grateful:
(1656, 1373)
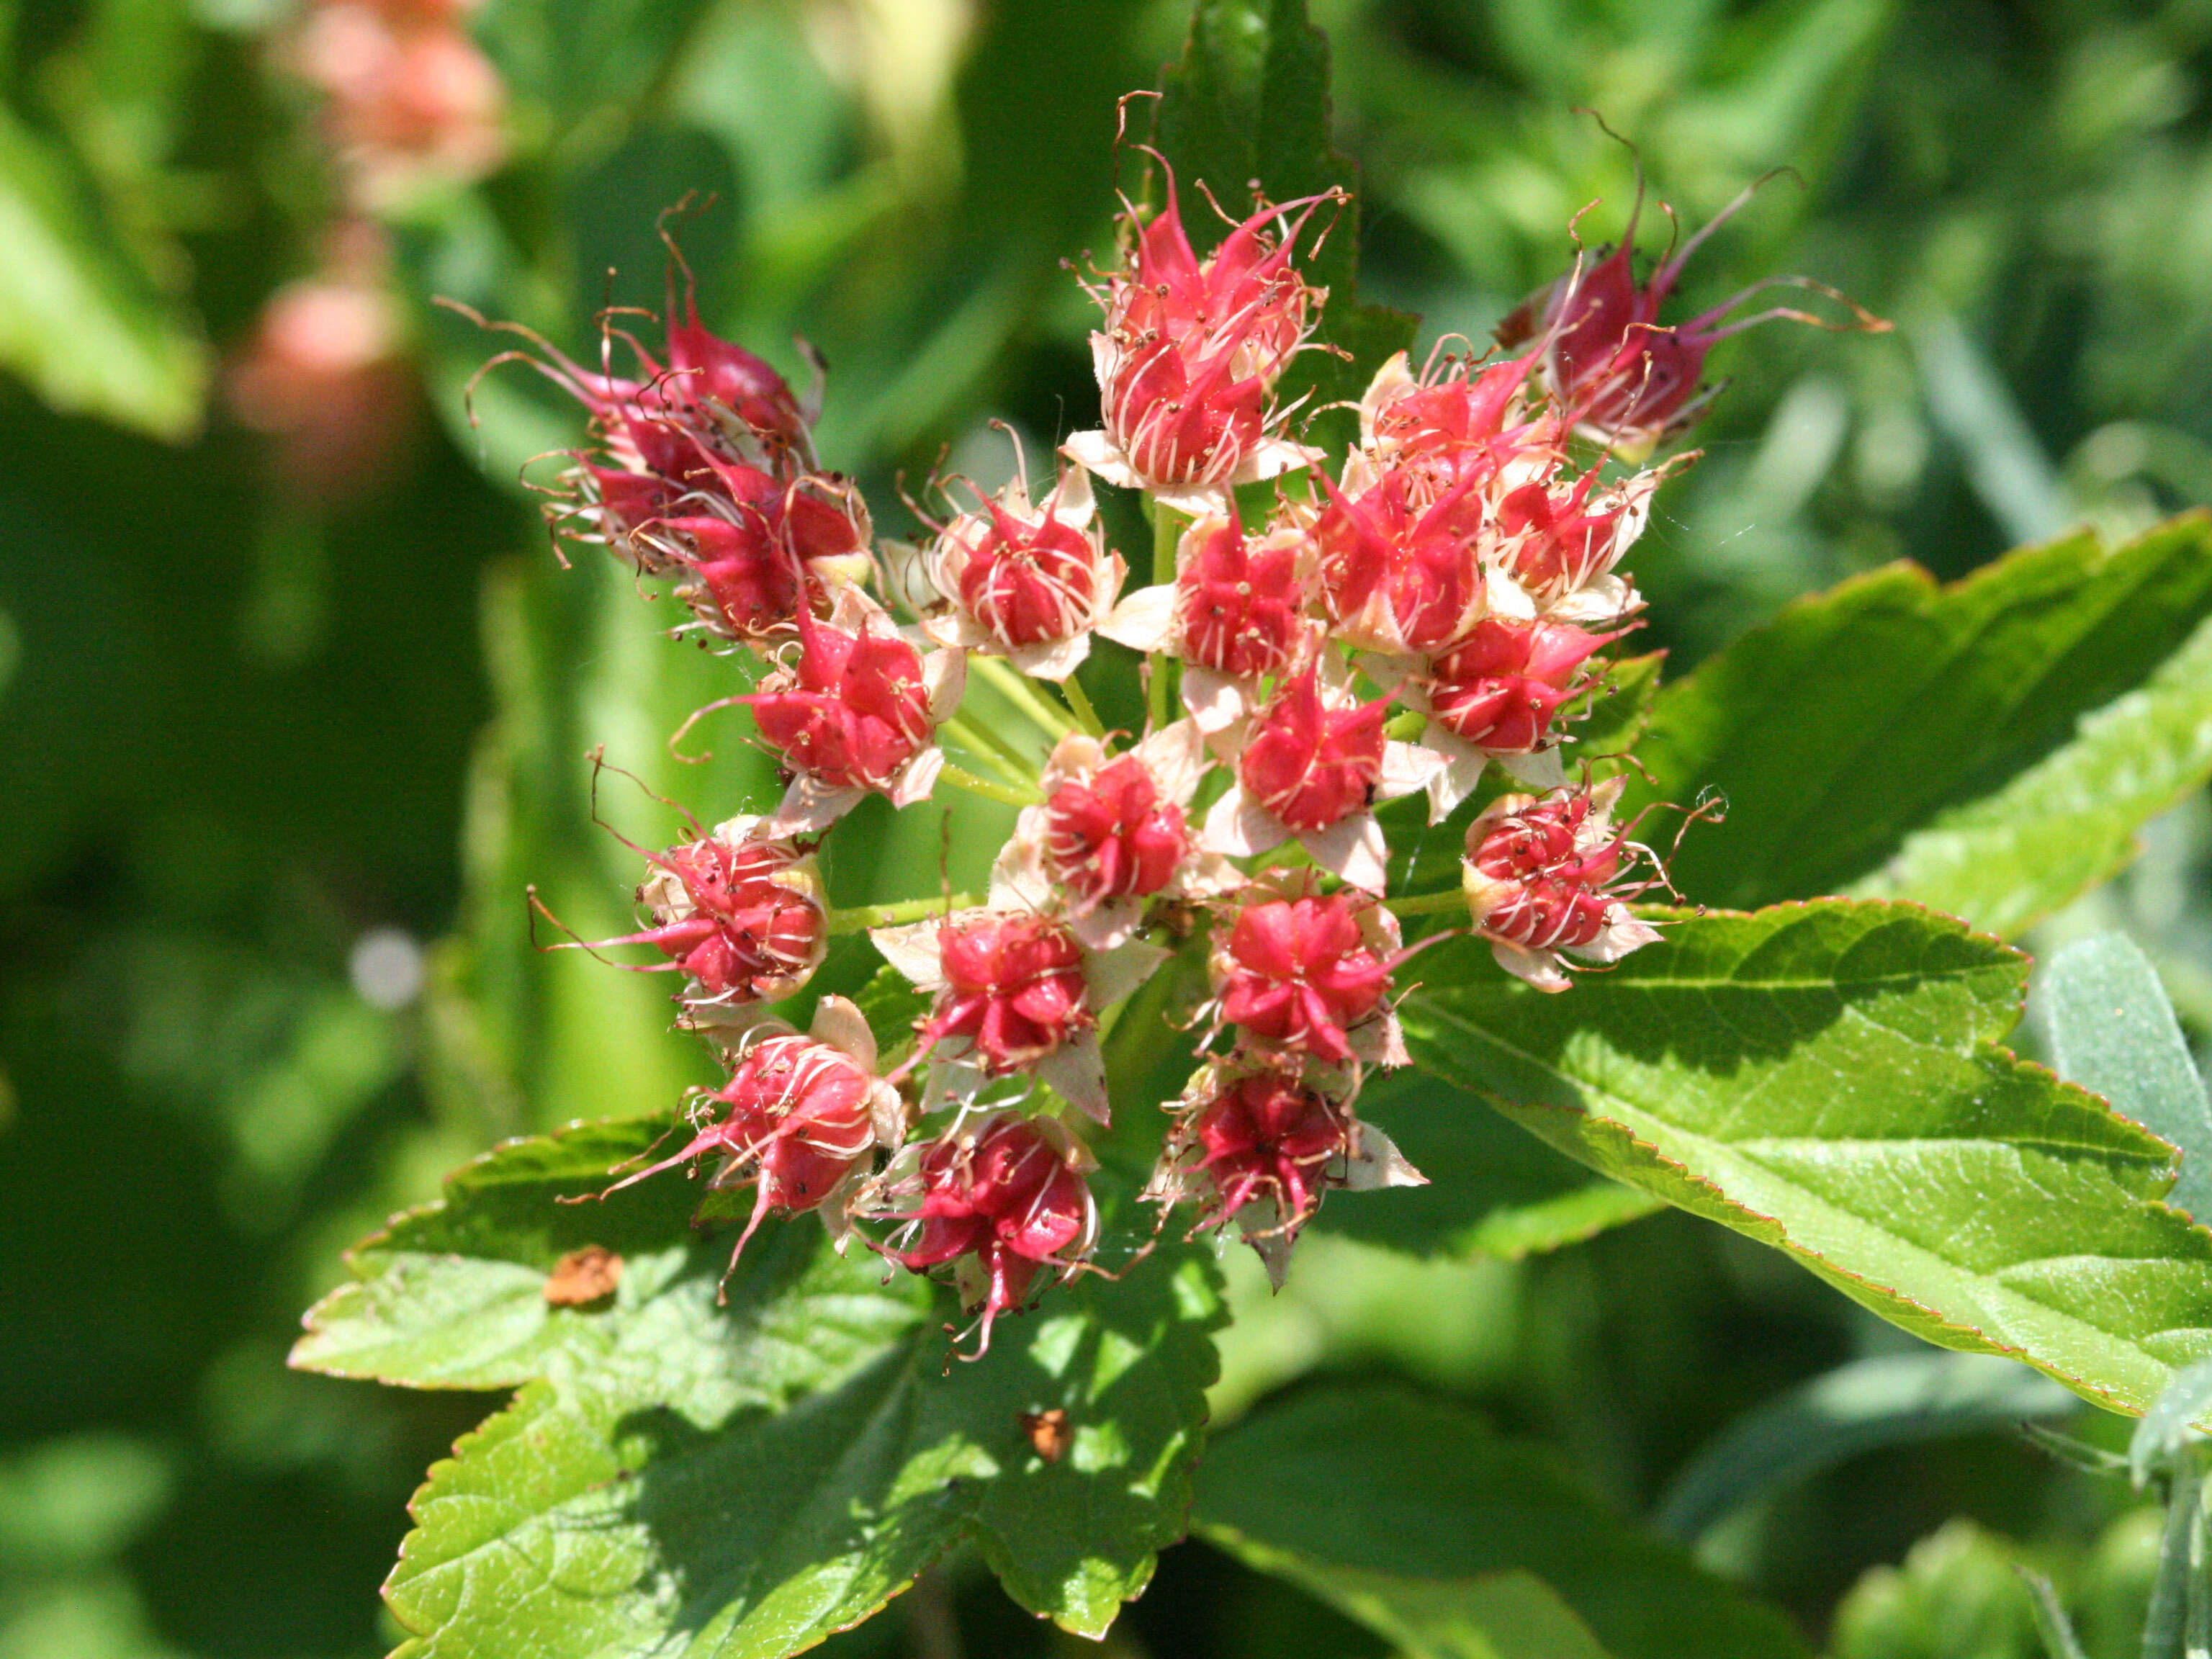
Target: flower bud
(1310, 975)
(1310, 764)
(1002, 1199)
(1499, 686)
(745, 917)
(1541, 880)
(1014, 986)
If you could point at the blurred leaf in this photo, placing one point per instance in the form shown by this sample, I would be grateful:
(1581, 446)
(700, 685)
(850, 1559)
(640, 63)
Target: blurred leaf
(2165, 1427)
(1825, 1078)
(750, 1479)
(585, 56)
(1248, 102)
(1492, 1191)
(77, 321)
(1412, 1518)
(1621, 711)
(1892, 1400)
(1956, 1596)
(2112, 1031)
(1866, 714)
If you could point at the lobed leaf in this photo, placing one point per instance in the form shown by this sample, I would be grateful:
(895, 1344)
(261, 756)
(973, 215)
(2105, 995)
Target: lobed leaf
(1408, 1515)
(686, 1478)
(1986, 747)
(1826, 1078)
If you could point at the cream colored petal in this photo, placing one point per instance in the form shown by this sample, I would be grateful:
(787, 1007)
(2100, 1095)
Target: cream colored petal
(1071, 501)
(1054, 661)
(810, 806)
(1215, 702)
(1273, 457)
(1194, 500)
(839, 1021)
(1096, 453)
(1623, 933)
(1406, 767)
(1112, 974)
(1143, 620)
(917, 777)
(1539, 967)
(1541, 770)
(1077, 1072)
(1109, 924)
(944, 682)
(1455, 781)
(1380, 1164)
(911, 948)
(1175, 757)
(1354, 849)
(1242, 827)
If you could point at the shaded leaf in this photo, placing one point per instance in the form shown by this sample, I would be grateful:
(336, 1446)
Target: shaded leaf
(744, 1480)
(1892, 1400)
(1891, 705)
(1493, 1190)
(2112, 1031)
(1412, 1517)
(1825, 1078)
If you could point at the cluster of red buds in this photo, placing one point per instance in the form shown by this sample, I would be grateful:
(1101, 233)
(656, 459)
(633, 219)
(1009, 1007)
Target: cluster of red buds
(1441, 599)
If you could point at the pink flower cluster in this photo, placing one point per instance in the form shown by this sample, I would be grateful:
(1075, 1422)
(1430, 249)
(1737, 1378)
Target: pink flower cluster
(1439, 600)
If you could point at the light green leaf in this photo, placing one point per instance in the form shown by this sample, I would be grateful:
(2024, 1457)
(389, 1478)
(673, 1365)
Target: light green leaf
(1891, 1400)
(77, 320)
(1410, 1516)
(1891, 706)
(1825, 1078)
(743, 1481)
(2112, 1031)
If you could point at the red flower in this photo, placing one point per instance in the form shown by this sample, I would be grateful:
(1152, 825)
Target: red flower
(1310, 975)
(1014, 987)
(1310, 764)
(1111, 835)
(1499, 685)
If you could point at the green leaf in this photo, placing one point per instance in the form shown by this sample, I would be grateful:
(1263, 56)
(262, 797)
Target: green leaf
(1493, 1190)
(78, 320)
(1957, 1595)
(2112, 1031)
(743, 1481)
(1825, 1078)
(1410, 1516)
(1891, 706)
(1892, 1400)
(1249, 101)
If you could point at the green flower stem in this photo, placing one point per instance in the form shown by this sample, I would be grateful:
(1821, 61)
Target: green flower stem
(863, 916)
(1167, 530)
(986, 745)
(1428, 904)
(1079, 701)
(960, 779)
(1054, 723)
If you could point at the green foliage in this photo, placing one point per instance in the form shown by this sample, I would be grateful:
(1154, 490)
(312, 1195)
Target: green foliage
(1412, 1518)
(1826, 1078)
(755, 1476)
(1955, 1597)
(1892, 706)
(2112, 1031)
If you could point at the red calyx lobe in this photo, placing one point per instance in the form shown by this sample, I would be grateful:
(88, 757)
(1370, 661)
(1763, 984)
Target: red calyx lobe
(745, 927)
(1424, 560)
(1311, 765)
(1011, 1199)
(1013, 985)
(1113, 837)
(1267, 1136)
(1555, 543)
(1030, 583)
(1298, 974)
(1238, 604)
(1499, 684)
(850, 711)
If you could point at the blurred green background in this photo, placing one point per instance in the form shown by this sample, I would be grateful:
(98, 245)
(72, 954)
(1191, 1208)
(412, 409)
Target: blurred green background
(294, 694)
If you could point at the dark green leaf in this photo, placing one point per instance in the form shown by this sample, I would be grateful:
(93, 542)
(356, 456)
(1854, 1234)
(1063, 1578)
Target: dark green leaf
(2112, 1031)
(1891, 705)
(744, 1480)
(1409, 1516)
(1892, 1400)
(1249, 104)
(1826, 1079)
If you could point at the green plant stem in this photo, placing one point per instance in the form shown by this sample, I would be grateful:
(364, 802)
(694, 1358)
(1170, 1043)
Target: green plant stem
(1054, 723)
(861, 917)
(1428, 904)
(986, 745)
(2162, 1632)
(1079, 701)
(1012, 796)
(1167, 530)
